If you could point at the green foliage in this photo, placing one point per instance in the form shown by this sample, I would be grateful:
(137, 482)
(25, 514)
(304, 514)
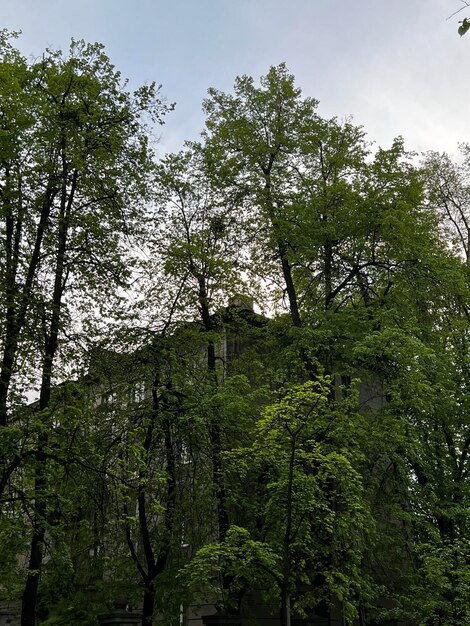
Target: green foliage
(315, 513)
(310, 519)
(438, 586)
(239, 557)
(464, 26)
(320, 456)
(74, 172)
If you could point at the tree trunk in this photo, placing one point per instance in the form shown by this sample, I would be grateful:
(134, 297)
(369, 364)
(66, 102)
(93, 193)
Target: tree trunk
(17, 306)
(328, 273)
(155, 563)
(29, 598)
(285, 607)
(286, 266)
(214, 427)
(148, 607)
(290, 287)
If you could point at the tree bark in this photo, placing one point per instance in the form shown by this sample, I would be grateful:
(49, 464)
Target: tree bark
(17, 306)
(30, 594)
(214, 427)
(285, 607)
(148, 607)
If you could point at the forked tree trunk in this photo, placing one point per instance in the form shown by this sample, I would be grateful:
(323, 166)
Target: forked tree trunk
(30, 594)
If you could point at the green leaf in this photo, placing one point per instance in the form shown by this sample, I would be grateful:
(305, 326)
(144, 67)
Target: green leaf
(464, 26)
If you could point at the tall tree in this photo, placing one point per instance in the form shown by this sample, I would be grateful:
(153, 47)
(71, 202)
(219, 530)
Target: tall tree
(315, 515)
(449, 193)
(319, 210)
(201, 250)
(253, 141)
(348, 236)
(73, 187)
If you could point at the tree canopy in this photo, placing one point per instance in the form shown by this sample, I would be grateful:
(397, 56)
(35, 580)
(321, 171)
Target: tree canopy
(250, 358)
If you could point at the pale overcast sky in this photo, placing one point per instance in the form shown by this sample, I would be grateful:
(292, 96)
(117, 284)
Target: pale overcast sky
(396, 66)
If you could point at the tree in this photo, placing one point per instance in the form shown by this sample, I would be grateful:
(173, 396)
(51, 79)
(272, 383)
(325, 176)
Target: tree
(73, 187)
(423, 366)
(201, 252)
(449, 194)
(350, 238)
(252, 142)
(306, 449)
(321, 216)
(140, 446)
(177, 429)
(304, 536)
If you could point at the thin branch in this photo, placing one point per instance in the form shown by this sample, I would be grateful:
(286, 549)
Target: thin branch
(466, 5)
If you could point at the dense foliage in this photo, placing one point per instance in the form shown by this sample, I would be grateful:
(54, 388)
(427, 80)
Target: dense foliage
(316, 454)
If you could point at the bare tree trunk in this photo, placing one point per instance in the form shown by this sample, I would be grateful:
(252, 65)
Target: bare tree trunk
(17, 305)
(285, 607)
(148, 607)
(214, 427)
(30, 594)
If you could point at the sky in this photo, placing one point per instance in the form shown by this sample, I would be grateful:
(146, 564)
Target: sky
(398, 67)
